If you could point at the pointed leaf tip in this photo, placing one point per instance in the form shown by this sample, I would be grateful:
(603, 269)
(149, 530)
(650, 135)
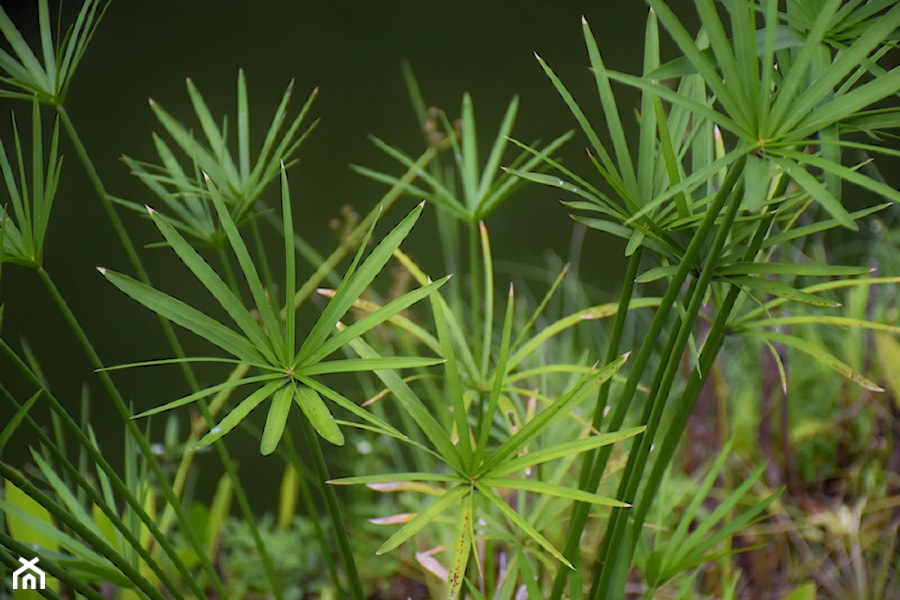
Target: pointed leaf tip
(538, 56)
(102, 270)
(151, 101)
(149, 209)
(584, 21)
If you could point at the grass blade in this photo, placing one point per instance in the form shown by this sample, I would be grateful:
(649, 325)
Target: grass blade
(190, 318)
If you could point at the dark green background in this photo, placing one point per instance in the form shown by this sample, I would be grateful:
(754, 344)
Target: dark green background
(353, 52)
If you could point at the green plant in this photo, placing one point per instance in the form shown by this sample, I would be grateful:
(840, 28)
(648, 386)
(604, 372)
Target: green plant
(533, 443)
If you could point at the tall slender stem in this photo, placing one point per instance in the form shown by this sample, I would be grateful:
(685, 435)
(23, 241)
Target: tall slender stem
(334, 510)
(89, 488)
(640, 361)
(132, 428)
(581, 510)
(660, 390)
(698, 376)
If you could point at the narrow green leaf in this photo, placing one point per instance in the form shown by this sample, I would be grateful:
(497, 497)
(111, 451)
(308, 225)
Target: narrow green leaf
(441, 194)
(47, 47)
(375, 318)
(677, 99)
(239, 413)
(318, 414)
(462, 546)
(671, 161)
(459, 360)
(409, 402)
(423, 518)
(199, 155)
(693, 53)
(374, 423)
(610, 167)
(567, 449)
(600, 311)
(838, 170)
(270, 342)
(610, 111)
(797, 75)
(213, 135)
(468, 161)
(277, 418)
(543, 419)
(10, 428)
(798, 269)
(821, 355)
(204, 393)
(223, 294)
(414, 329)
(36, 75)
(499, 377)
(493, 163)
(290, 268)
(817, 114)
(818, 191)
(352, 365)
(656, 273)
(355, 284)
(527, 528)
(64, 495)
(391, 478)
(544, 488)
(487, 317)
(243, 127)
(777, 288)
(506, 184)
(837, 321)
(191, 319)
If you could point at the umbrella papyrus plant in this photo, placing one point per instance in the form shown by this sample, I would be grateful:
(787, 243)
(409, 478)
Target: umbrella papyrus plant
(285, 374)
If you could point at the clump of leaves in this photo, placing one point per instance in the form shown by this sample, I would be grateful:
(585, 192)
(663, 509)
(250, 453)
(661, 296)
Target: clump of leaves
(288, 373)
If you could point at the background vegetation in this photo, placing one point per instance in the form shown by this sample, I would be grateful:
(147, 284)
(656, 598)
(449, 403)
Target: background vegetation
(716, 417)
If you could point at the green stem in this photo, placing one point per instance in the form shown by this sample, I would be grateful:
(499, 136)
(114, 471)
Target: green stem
(91, 490)
(132, 428)
(10, 547)
(640, 361)
(227, 271)
(698, 377)
(81, 530)
(660, 390)
(581, 510)
(293, 457)
(334, 510)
